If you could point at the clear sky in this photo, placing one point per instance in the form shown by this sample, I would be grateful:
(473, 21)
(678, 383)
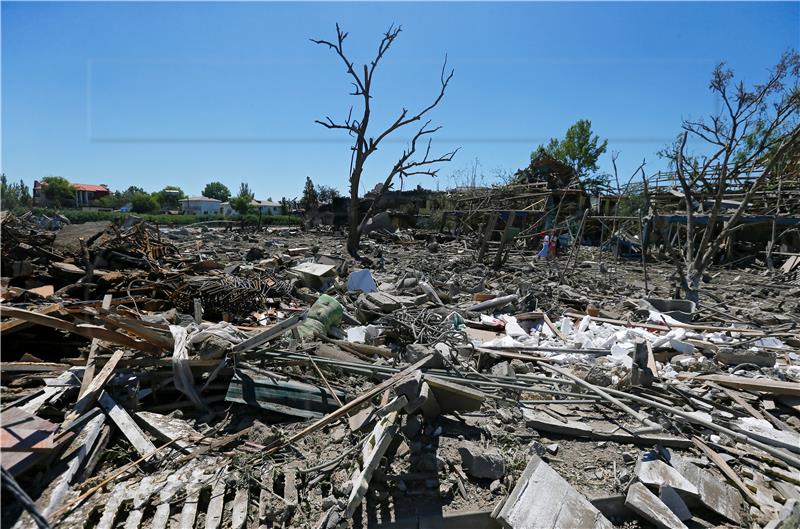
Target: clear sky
(155, 94)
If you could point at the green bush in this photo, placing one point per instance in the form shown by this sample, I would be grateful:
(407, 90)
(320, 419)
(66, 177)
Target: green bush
(77, 216)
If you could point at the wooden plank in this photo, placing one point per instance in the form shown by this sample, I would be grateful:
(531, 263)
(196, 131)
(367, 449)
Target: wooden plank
(78, 451)
(86, 330)
(216, 505)
(54, 388)
(94, 388)
(15, 324)
(112, 504)
(372, 451)
(773, 387)
(166, 428)
(141, 497)
(88, 374)
(553, 328)
(142, 331)
(239, 512)
(290, 485)
(726, 469)
(735, 397)
(189, 510)
(651, 360)
(270, 334)
(161, 517)
(790, 264)
(33, 367)
(198, 311)
(611, 432)
(263, 498)
(126, 424)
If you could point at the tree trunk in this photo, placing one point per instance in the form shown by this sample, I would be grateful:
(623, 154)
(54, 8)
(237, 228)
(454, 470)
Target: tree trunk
(353, 231)
(691, 284)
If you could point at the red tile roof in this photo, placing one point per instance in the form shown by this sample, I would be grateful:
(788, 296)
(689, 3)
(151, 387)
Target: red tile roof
(89, 187)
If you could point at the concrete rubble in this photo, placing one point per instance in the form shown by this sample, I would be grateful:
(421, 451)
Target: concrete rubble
(225, 378)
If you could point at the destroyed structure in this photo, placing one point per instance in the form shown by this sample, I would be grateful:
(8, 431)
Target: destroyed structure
(211, 377)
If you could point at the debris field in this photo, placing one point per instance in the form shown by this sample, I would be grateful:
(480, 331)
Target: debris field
(212, 376)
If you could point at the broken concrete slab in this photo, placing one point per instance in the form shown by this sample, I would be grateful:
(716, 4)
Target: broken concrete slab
(68, 238)
(656, 473)
(542, 499)
(713, 492)
(788, 517)
(383, 302)
(764, 431)
(648, 506)
(455, 397)
(759, 357)
(315, 275)
(418, 395)
(673, 500)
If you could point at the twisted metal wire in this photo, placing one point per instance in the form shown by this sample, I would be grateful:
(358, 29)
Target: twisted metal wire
(424, 326)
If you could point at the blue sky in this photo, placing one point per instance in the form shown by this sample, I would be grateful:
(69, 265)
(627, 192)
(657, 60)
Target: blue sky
(155, 94)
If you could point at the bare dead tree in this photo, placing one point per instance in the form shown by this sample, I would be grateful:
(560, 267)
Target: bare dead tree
(755, 128)
(409, 163)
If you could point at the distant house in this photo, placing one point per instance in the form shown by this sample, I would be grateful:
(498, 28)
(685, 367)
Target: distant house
(85, 194)
(226, 209)
(200, 205)
(265, 207)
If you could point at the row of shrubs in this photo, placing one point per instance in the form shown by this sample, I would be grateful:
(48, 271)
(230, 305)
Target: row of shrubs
(77, 216)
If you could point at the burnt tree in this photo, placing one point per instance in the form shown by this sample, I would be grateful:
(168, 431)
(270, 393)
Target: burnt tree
(755, 129)
(366, 142)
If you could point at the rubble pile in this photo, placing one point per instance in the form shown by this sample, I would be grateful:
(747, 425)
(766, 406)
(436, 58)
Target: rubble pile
(205, 377)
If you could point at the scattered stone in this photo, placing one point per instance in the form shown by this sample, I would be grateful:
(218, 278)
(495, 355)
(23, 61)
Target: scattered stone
(338, 435)
(537, 448)
(480, 462)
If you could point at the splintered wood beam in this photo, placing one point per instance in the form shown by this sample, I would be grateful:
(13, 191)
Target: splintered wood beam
(88, 372)
(96, 385)
(126, 424)
(88, 331)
